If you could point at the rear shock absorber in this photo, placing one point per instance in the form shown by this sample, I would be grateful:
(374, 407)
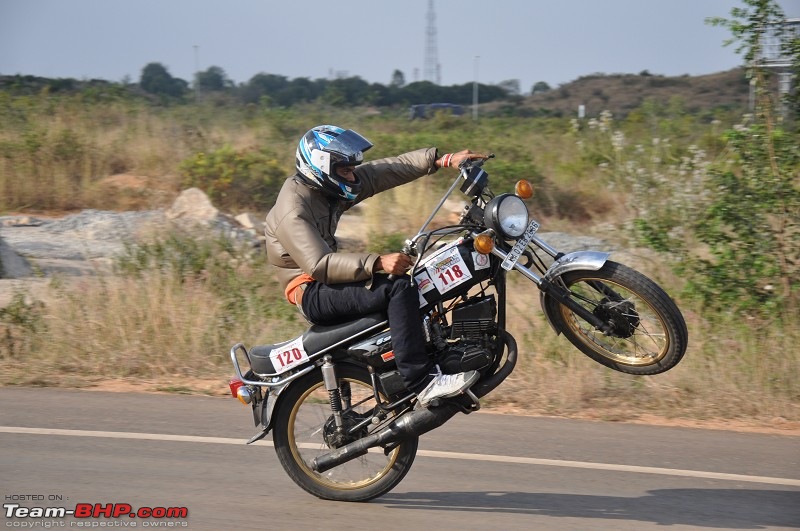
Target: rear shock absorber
(332, 386)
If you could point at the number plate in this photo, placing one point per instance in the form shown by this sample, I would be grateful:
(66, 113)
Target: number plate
(448, 270)
(520, 246)
(288, 355)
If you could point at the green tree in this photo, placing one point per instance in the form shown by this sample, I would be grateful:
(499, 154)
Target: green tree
(511, 86)
(156, 79)
(213, 79)
(540, 86)
(398, 79)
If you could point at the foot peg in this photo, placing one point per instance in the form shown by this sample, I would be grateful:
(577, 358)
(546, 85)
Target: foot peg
(476, 403)
(467, 402)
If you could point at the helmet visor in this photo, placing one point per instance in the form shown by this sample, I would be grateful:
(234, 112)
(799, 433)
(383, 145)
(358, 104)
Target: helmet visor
(347, 148)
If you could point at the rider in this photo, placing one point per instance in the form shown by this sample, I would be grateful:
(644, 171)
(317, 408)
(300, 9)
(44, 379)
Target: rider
(328, 286)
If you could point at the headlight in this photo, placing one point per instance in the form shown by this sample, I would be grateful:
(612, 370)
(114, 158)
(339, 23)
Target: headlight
(507, 215)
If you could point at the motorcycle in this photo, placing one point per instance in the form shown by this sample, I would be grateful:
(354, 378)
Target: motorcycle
(344, 425)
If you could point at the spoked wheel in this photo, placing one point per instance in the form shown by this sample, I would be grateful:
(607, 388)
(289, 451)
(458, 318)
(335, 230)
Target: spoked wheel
(305, 428)
(647, 331)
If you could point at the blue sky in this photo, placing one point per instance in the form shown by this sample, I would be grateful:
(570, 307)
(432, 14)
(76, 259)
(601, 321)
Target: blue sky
(528, 40)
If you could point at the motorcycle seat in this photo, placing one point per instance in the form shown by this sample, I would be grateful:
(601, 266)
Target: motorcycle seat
(316, 338)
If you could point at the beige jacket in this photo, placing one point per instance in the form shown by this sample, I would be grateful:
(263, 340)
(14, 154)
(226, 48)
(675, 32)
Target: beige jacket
(301, 226)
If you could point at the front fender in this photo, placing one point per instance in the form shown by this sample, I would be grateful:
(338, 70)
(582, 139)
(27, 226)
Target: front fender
(577, 261)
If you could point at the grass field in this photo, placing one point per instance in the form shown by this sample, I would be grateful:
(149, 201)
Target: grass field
(171, 325)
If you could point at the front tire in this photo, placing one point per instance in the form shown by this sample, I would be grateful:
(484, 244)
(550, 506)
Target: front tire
(299, 434)
(648, 333)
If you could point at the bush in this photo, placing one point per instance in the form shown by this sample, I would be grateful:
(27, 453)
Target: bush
(231, 178)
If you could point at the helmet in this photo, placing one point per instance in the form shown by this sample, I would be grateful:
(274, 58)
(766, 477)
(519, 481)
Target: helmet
(321, 150)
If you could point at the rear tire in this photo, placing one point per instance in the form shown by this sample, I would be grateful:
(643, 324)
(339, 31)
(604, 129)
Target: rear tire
(649, 333)
(299, 437)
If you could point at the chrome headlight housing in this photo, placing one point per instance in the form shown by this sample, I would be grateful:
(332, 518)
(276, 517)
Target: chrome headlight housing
(507, 215)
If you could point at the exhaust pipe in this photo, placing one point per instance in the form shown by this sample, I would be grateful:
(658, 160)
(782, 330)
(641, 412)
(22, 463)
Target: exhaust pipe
(484, 387)
(417, 422)
(409, 425)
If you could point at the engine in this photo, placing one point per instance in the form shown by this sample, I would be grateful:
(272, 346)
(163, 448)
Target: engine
(466, 344)
(470, 338)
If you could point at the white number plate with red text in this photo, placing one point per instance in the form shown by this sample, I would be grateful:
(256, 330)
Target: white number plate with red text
(447, 268)
(288, 355)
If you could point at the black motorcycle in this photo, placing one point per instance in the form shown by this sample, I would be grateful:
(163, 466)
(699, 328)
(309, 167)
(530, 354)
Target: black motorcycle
(343, 423)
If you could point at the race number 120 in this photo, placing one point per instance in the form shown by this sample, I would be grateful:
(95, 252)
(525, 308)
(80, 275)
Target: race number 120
(288, 355)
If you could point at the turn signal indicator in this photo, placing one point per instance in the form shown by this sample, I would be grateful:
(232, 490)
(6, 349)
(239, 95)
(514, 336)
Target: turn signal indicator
(523, 189)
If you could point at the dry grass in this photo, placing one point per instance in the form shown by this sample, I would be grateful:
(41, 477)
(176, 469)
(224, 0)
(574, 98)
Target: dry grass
(155, 326)
(175, 336)
(740, 374)
(176, 333)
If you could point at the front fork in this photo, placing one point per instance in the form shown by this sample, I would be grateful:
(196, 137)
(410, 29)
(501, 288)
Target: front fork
(550, 286)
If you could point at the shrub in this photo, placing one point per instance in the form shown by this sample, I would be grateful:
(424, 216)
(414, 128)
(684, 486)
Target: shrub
(231, 178)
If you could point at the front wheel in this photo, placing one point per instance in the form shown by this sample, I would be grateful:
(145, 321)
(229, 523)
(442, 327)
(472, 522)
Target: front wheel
(304, 429)
(647, 331)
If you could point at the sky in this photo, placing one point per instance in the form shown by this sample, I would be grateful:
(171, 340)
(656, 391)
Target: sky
(555, 41)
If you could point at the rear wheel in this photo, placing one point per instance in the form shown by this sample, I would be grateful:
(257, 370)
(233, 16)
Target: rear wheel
(647, 331)
(304, 429)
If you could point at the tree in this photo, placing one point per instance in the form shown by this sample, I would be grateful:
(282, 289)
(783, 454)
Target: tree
(540, 86)
(511, 86)
(213, 79)
(156, 79)
(347, 91)
(398, 79)
(752, 223)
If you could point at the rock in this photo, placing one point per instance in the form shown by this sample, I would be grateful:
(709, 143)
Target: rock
(193, 204)
(250, 222)
(12, 265)
(22, 221)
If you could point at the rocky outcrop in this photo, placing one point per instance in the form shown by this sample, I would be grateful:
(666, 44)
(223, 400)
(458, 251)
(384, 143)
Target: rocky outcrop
(12, 265)
(194, 205)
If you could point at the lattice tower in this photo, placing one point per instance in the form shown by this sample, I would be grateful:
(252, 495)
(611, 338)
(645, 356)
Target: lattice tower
(431, 71)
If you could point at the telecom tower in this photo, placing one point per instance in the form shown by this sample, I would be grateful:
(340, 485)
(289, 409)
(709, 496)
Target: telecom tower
(773, 57)
(431, 71)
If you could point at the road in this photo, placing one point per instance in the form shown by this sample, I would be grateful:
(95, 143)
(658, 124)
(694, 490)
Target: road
(61, 448)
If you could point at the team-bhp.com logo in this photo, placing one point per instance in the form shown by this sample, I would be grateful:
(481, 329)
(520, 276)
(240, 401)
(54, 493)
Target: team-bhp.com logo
(161, 516)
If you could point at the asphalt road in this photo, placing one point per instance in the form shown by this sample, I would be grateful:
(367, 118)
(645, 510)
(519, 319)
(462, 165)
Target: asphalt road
(61, 448)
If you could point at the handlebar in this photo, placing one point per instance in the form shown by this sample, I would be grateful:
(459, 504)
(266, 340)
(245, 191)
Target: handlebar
(466, 167)
(468, 164)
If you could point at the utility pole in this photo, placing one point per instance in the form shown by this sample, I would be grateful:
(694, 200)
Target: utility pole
(475, 90)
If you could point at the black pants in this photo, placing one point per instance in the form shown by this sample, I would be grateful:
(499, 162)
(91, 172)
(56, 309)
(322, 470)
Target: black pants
(327, 304)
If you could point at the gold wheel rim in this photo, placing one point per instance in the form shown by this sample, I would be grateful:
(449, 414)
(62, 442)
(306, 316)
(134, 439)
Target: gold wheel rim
(329, 478)
(648, 344)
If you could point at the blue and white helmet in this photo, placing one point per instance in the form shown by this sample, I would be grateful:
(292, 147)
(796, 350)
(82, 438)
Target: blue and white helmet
(321, 150)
